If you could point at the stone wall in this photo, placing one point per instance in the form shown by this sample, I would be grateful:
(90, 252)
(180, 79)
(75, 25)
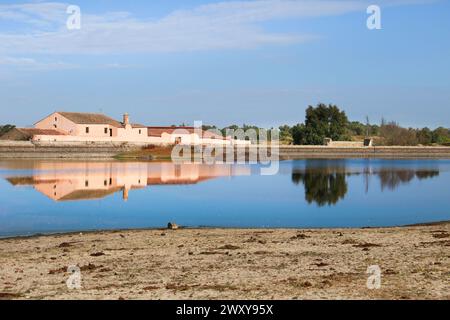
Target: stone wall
(300, 152)
(27, 149)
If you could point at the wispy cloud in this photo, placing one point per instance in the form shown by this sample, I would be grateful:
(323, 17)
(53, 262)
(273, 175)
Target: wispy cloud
(34, 65)
(223, 25)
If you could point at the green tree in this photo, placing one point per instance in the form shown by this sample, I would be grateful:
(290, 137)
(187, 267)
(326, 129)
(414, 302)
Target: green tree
(441, 135)
(356, 128)
(424, 136)
(6, 128)
(286, 134)
(298, 133)
(324, 122)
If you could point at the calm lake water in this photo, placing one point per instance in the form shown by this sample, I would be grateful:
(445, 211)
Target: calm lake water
(61, 196)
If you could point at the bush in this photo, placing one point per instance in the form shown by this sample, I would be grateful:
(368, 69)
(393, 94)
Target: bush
(394, 135)
(6, 128)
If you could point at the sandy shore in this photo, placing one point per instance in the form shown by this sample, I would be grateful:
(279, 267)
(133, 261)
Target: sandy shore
(230, 264)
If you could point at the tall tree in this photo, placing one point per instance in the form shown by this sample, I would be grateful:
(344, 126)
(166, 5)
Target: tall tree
(324, 122)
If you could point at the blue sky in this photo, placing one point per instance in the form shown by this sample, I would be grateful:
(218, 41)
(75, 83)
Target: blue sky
(226, 62)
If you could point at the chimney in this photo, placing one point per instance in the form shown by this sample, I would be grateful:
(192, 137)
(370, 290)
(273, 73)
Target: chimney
(125, 194)
(126, 119)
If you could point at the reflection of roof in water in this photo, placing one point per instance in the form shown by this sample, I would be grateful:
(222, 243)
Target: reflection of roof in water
(89, 194)
(159, 181)
(23, 181)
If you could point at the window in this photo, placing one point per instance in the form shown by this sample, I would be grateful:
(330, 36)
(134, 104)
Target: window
(55, 126)
(106, 130)
(87, 129)
(86, 183)
(140, 131)
(56, 119)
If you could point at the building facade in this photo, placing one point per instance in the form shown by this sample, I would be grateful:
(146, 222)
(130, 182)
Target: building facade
(93, 127)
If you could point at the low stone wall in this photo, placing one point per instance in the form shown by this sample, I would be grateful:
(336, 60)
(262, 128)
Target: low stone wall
(299, 152)
(26, 149)
(49, 150)
(347, 144)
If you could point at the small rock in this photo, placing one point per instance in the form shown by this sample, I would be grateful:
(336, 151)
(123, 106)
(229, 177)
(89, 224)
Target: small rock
(97, 254)
(229, 247)
(172, 226)
(64, 245)
(300, 236)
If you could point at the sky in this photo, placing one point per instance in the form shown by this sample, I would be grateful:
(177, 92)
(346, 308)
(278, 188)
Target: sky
(256, 62)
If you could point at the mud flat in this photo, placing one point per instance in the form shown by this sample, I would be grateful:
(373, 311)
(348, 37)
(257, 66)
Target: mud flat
(230, 264)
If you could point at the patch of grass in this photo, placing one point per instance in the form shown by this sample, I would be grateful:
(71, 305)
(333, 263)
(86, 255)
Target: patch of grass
(147, 153)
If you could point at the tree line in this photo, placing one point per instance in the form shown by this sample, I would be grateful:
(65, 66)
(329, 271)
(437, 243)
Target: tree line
(329, 121)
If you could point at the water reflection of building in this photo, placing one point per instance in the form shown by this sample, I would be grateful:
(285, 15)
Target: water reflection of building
(325, 183)
(66, 181)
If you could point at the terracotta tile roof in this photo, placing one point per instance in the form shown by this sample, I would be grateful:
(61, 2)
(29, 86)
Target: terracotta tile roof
(212, 135)
(95, 118)
(90, 118)
(137, 125)
(158, 131)
(89, 194)
(159, 181)
(33, 132)
(22, 181)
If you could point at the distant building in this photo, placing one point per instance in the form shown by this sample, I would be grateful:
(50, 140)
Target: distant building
(367, 142)
(93, 127)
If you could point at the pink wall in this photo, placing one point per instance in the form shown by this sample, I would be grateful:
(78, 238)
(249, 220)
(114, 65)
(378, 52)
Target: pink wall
(56, 121)
(97, 133)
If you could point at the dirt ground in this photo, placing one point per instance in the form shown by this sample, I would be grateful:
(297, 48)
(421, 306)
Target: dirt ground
(230, 264)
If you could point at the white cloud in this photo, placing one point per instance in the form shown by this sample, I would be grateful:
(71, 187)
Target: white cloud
(32, 64)
(223, 25)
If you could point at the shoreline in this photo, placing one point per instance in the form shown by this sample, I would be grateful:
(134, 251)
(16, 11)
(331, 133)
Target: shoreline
(94, 231)
(130, 151)
(213, 263)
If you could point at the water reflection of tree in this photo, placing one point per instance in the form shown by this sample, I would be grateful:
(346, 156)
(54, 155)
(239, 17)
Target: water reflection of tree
(326, 183)
(324, 186)
(391, 178)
